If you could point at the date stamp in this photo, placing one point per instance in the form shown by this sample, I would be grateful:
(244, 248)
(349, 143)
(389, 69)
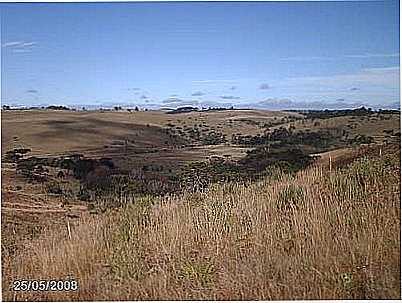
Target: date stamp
(45, 285)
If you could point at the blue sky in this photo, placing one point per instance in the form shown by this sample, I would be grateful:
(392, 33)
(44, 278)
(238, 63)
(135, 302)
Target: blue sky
(246, 54)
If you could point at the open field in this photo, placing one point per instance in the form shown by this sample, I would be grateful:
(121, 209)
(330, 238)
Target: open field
(126, 137)
(134, 134)
(131, 139)
(210, 201)
(56, 132)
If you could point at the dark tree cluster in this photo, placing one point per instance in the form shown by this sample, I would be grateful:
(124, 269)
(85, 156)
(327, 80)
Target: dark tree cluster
(327, 114)
(318, 139)
(57, 107)
(184, 109)
(361, 139)
(290, 159)
(258, 163)
(211, 109)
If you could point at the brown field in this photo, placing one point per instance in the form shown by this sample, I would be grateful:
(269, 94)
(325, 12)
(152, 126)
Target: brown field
(58, 132)
(103, 134)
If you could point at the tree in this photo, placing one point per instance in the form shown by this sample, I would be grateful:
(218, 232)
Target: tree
(136, 109)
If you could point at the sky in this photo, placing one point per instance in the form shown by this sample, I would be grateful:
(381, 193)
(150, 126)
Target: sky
(273, 55)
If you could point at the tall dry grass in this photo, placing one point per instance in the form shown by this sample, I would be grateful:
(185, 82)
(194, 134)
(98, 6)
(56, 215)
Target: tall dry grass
(316, 235)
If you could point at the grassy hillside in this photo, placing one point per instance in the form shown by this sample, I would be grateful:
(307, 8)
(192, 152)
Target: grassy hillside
(313, 235)
(134, 139)
(55, 132)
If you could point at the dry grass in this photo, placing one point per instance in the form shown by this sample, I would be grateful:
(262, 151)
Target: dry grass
(59, 132)
(316, 235)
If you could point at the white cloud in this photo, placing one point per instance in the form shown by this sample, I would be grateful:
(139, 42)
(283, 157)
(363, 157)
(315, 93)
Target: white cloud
(275, 102)
(369, 85)
(13, 43)
(394, 55)
(21, 50)
(387, 77)
(352, 56)
(19, 46)
(177, 102)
